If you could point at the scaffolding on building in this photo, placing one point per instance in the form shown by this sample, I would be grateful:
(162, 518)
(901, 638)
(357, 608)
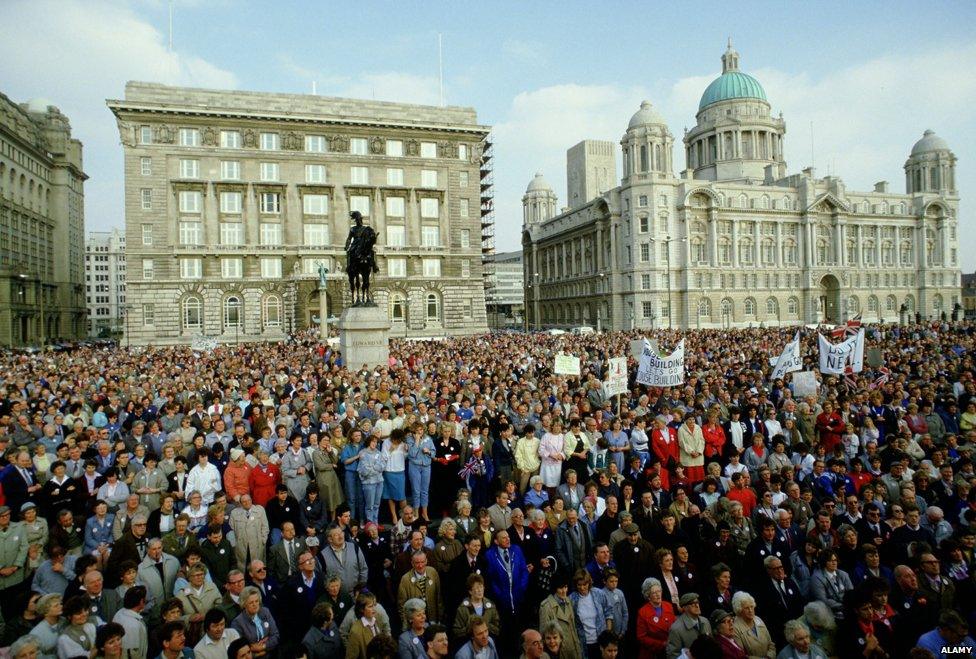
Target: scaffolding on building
(488, 227)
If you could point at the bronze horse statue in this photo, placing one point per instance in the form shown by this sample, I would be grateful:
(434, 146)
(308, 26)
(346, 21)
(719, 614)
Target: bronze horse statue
(360, 260)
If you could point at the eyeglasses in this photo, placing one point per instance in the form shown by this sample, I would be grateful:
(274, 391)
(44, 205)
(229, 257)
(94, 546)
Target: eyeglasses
(235, 583)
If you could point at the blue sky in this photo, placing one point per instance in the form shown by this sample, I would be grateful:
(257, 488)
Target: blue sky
(869, 76)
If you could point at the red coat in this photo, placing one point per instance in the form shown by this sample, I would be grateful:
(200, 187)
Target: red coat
(664, 450)
(652, 630)
(263, 481)
(831, 427)
(714, 440)
(730, 648)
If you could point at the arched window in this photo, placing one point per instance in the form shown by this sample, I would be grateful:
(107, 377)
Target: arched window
(890, 303)
(872, 304)
(789, 253)
(869, 253)
(821, 252)
(793, 306)
(746, 252)
(937, 303)
(772, 307)
(853, 305)
(887, 254)
(272, 311)
(750, 307)
(398, 308)
(768, 252)
(704, 308)
(727, 307)
(192, 314)
(434, 308)
(697, 250)
(232, 313)
(764, 202)
(787, 204)
(725, 251)
(910, 303)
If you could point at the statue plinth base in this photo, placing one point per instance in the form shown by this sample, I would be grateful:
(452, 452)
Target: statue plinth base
(364, 337)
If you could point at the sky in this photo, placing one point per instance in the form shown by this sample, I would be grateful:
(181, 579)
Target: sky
(857, 83)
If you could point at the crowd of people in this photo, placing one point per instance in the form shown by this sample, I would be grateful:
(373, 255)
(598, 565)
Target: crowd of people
(269, 500)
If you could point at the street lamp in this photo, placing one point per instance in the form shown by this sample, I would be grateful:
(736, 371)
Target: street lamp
(535, 301)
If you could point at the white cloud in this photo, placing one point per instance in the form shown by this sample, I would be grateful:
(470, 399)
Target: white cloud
(90, 49)
(866, 118)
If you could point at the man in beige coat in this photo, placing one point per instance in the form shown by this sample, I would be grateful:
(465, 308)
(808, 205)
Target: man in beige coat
(250, 525)
(423, 583)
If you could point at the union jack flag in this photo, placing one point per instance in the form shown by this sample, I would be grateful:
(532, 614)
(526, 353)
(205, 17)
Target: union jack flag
(849, 328)
(883, 375)
(850, 378)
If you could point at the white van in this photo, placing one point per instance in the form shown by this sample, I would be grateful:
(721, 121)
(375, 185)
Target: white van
(583, 329)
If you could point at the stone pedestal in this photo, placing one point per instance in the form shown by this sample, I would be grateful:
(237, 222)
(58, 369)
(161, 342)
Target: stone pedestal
(364, 337)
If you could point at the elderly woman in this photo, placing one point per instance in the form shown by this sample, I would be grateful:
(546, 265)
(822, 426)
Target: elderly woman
(801, 644)
(527, 460)
(448, 547)
(256, 624)
(654, 620)
(537, 495)
(25, 647)
(475, 604)
(551, 450)
(750, 630)
(46, 632)
(412, 638)
(724, 633)
(829, 584)
(264, 478)
(296, 466)
(820, 622)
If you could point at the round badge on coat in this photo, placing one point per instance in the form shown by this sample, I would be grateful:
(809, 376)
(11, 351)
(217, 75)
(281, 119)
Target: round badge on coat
(655, 618)
(300, 589)
(223, 551)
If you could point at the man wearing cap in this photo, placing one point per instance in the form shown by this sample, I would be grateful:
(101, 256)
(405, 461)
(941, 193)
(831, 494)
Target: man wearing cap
(634, 559)
(250, 525)
(13, 554)
(689, 626)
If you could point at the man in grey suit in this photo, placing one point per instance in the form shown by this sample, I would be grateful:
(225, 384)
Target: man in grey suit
(102, 603)
(157, 572)
(283, 555)
(571, 492)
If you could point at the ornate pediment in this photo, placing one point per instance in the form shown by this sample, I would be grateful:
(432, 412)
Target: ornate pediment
(828, 203)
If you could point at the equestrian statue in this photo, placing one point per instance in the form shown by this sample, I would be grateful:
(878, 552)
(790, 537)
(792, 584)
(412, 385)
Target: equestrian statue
(360, 260)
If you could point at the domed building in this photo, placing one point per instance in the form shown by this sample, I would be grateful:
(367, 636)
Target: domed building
(734, 240)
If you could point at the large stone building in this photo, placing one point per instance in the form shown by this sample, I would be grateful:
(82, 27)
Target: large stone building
(505, 291)
(42, 226)
(233, 199)
(105, 282)
(734, 240)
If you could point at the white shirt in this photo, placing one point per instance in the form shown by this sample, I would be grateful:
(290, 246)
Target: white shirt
(205, 480)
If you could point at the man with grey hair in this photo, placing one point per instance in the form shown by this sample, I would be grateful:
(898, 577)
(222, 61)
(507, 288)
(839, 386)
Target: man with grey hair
(157, 572)
(132, 546)
(798, 636)
(935, 522)
(343, 558)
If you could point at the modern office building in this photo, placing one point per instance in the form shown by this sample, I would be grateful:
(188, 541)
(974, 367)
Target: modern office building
(233, 199)
(735, 240)
(105, 283)
(42, 226)
(505, 291)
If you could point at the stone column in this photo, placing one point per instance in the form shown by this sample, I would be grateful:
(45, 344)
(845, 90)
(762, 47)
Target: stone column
(323, 312)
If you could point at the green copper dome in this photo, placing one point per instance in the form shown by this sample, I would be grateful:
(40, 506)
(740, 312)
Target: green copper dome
(729, 85)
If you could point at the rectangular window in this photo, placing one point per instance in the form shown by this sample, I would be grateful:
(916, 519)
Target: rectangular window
(231, 234)
(315, 144)
(147, 234)
(189, 137)
(145, 196)
(396, 267)
(432, 267)
(315, 204)
(230, 139)
(315, 173)
(428, 178)
(645, 282)
(429, 208)
(191, 233)
(270, 267)
(431, 236)
(148, 314)
(396, 235)
(189, 168)
(190, 201)
(359, 175)
(645, 224)
(359, 203)
(465, 268)
(270, 234)
(269, 141)
(270, 202)
(191, 268)
(394, 148)
(394, 177)
(230, 170)
(230, 202)
(465, 238)
(357, 146)
(148, 269)
(231, 268)
(464, 207)
(645, 252)
(642, 201)
(462, 151)
(269, 171)
(648, 309)
(462, 179)
(145, 165)
(396, 207)
(428, 149)
(316, 235)
(145, 135)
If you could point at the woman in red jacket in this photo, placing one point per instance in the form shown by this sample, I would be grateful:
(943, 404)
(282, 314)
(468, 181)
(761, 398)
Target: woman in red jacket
(654, 621)
(264, 479)
(831, 427)
(714, 436)
(664, 444)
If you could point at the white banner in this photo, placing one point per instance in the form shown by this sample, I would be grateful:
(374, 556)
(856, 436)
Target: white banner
(790, 360)
(834, 358)
(567, 364)
(203, 343)
(616, 382)
(805, 384)
(658, 371)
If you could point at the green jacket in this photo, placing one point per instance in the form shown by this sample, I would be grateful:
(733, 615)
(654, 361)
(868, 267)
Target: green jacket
(13, 553)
